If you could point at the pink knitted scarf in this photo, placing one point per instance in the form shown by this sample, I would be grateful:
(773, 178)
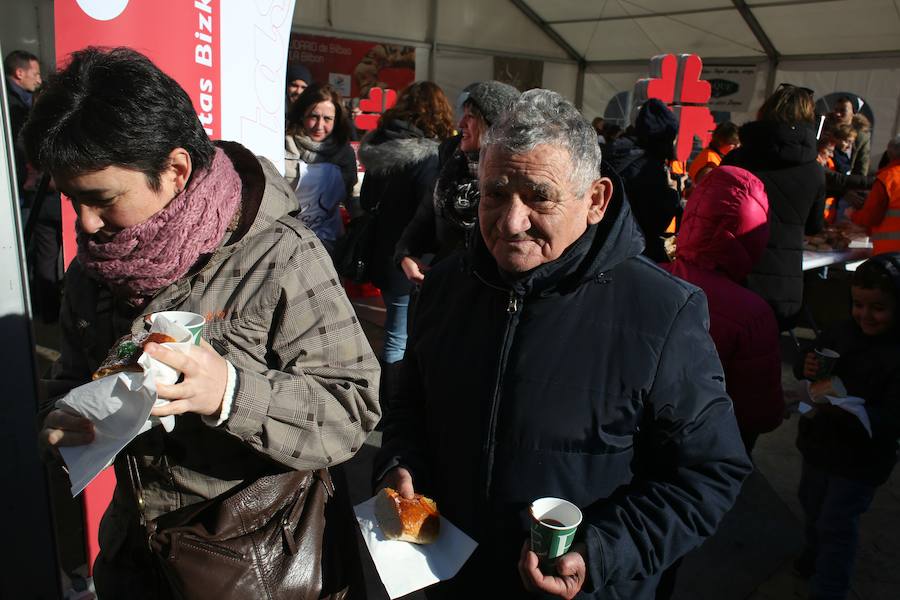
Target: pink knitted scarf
(143, 259)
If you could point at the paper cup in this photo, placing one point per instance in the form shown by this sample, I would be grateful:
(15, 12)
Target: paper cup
(190, 321)
(553, 525)
(826, 358)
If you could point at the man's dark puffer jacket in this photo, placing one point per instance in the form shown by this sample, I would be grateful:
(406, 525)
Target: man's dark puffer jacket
(591, 378)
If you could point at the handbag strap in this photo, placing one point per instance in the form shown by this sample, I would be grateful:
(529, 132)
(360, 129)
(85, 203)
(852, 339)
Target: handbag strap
(134, 476)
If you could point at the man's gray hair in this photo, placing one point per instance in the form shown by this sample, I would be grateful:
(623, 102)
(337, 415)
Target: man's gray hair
(545, 117)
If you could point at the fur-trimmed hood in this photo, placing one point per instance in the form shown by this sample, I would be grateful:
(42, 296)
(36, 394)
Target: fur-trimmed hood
(395, 148)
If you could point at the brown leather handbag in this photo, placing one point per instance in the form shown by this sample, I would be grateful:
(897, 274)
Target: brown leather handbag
(273, 538)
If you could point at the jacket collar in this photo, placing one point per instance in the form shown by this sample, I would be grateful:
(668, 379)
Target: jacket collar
(21, 93)
(599, 249)
(394, 147)
(769, 144)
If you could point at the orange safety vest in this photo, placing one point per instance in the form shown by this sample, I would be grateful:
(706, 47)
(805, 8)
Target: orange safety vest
(707, 157)
(886, 235)
(830, 203)
(677, 168)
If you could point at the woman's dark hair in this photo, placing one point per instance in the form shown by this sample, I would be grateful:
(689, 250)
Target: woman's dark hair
(312, 95)
(881, 272)
(726, 132)
(424, 105)
(113, 107)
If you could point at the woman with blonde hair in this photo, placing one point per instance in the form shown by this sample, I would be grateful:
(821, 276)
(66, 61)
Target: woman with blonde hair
(401, 160)
(780, 148)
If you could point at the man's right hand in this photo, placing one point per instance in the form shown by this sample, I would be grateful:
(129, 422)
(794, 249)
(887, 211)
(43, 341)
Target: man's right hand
(64, 428)
(400, 480)
(414, 269)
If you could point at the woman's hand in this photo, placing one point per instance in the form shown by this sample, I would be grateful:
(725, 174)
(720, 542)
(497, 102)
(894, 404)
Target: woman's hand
(810, 365)
(414, 269)
(205, 378)
(63, 427)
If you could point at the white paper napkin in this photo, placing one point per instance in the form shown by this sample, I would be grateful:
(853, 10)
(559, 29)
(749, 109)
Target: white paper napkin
(119, 407)
(852, 404)
(405, 567)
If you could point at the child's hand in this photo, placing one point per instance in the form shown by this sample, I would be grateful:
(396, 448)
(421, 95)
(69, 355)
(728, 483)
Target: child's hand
(810, 365)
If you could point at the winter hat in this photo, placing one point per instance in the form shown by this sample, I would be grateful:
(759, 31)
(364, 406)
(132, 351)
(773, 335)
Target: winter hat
(492, 98)
(655, 122)
(656, 128)
(295, 72)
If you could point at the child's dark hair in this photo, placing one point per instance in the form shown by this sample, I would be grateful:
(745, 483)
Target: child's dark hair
(880, 272)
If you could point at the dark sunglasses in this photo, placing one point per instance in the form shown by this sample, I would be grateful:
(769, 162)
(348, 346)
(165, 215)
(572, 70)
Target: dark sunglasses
(791, 85)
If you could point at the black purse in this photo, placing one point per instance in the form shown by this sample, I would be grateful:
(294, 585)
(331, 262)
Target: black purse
(353, 252)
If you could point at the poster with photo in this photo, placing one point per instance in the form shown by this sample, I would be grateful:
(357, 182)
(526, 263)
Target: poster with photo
(353, 66)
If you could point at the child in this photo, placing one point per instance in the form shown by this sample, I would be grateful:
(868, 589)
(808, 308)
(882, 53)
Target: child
(842, 463)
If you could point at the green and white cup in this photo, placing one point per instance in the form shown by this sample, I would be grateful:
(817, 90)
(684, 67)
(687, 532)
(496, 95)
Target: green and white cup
(193, 322)
(826, 358)
(554, 522)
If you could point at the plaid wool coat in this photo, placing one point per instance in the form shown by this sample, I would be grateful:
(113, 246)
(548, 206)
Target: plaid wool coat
(307, 379)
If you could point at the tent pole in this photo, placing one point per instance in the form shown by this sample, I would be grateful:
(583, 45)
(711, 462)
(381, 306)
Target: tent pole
(770, 76)
(579, 84)
(432, 35)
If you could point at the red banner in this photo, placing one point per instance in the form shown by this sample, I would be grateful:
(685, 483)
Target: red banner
(182, 39)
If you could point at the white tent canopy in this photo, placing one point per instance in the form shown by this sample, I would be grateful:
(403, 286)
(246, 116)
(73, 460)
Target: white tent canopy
(594, 49)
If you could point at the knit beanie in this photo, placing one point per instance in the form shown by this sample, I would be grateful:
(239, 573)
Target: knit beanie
(492, 98)
(295, 72)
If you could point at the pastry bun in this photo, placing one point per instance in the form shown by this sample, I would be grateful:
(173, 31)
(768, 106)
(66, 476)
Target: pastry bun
(124, 354)
(417, 520)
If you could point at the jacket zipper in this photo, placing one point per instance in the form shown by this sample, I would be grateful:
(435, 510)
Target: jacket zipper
(512, 310)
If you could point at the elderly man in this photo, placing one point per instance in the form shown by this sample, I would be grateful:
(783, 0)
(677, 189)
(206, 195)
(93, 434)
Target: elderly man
(552, 360)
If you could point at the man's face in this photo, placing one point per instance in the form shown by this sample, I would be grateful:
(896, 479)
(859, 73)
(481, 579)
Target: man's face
(29, 79)
(294, 89)
(529, 213)
(843, 112)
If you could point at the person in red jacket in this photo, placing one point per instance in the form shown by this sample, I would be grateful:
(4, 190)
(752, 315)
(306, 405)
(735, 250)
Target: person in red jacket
(723, 234)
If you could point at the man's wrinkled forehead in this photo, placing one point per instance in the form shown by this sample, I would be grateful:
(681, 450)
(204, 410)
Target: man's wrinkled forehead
(534, 171)
(513, 179)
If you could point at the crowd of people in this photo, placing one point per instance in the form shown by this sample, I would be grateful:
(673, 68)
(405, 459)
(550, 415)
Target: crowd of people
(543, 278)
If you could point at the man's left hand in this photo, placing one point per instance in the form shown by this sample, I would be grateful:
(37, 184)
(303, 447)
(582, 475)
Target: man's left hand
(205, 377)
(571, 569)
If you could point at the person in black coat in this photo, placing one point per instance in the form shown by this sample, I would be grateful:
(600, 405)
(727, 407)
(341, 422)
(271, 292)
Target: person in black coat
(780, 148)
(641, 160)
(442, 224)
(401, 160)
(551, 359)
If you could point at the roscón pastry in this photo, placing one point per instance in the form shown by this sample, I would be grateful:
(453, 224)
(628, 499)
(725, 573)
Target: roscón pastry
(416, 520)
(124, 354)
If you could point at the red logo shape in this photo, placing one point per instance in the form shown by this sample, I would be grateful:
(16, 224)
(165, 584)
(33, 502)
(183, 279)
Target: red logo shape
(372, 107)
(676, 81)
